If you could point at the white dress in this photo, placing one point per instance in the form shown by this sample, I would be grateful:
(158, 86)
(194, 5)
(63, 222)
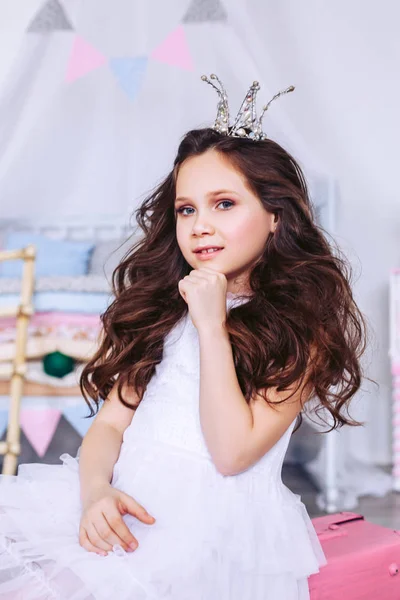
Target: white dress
(216, 537)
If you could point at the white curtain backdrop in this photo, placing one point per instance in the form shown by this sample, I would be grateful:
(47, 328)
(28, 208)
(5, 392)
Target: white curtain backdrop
(61, 135)
(99, 94)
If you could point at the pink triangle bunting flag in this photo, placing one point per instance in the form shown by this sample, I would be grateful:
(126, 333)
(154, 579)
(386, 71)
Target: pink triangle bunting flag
(39, 426)
(84, 58)
(174, 50)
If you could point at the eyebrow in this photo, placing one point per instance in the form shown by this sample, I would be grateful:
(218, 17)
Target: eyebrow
(209, 195)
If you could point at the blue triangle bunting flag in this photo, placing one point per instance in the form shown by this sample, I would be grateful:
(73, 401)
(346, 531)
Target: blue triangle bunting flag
(129, 72)
(51, 17)
(203, 11)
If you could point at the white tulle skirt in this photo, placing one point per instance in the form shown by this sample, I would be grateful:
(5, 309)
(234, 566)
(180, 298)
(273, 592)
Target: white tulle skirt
(215, 537)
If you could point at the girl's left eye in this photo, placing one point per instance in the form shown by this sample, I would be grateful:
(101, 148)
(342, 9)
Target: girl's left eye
(180, 210)
(228, 201)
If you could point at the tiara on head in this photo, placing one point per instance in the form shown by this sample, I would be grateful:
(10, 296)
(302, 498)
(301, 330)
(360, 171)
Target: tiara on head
(246, 123)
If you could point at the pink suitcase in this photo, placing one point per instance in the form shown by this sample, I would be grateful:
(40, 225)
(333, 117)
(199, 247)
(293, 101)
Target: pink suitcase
(363, 560)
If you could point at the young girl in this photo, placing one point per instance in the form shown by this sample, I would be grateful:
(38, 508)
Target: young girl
(230, 314)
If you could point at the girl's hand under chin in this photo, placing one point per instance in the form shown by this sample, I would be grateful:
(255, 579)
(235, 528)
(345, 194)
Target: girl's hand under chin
(204, 291)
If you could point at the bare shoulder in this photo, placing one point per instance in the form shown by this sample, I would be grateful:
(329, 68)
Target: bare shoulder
(116, 414)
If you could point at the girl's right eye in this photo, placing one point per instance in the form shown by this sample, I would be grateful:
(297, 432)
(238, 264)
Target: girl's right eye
(180, 210)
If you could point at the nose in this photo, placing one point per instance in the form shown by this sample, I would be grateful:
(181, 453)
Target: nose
(202, 225)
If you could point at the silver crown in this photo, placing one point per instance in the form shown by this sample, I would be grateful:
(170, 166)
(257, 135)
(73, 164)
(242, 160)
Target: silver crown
(246, 124)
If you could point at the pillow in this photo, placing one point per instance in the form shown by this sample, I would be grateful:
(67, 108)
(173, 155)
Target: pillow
(53, 257)
(72, 302)
(58, 283)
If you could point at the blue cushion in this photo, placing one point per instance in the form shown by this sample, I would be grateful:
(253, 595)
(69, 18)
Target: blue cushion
(53, 257)
(75, 302)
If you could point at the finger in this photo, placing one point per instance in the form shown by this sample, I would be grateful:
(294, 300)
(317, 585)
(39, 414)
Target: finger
(107, 534)
(198, 277)
(182, 290)
(185, 283)
(87, 545)
(126, 539)
(137, 510)
(95, 539)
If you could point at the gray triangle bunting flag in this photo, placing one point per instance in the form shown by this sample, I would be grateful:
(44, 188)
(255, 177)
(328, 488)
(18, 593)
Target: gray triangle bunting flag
(203, 11)
(51, 17)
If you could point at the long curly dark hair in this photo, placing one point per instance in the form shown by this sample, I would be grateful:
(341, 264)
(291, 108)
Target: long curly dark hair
(301, 318)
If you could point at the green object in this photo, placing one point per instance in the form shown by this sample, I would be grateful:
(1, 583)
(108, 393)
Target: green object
(58, 364)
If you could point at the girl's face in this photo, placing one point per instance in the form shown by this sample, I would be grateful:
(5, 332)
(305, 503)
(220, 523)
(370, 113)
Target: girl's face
(216, 208)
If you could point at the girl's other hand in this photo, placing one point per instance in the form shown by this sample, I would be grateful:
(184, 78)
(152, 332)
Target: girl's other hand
(102, 526)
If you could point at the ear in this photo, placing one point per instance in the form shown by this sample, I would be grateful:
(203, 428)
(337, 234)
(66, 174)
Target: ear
(274, 222)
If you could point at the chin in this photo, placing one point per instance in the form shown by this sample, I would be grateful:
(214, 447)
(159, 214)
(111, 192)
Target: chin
(212, 267)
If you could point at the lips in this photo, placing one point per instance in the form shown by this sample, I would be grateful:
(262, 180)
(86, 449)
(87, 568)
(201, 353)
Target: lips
(205, 256)
(200, 249)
